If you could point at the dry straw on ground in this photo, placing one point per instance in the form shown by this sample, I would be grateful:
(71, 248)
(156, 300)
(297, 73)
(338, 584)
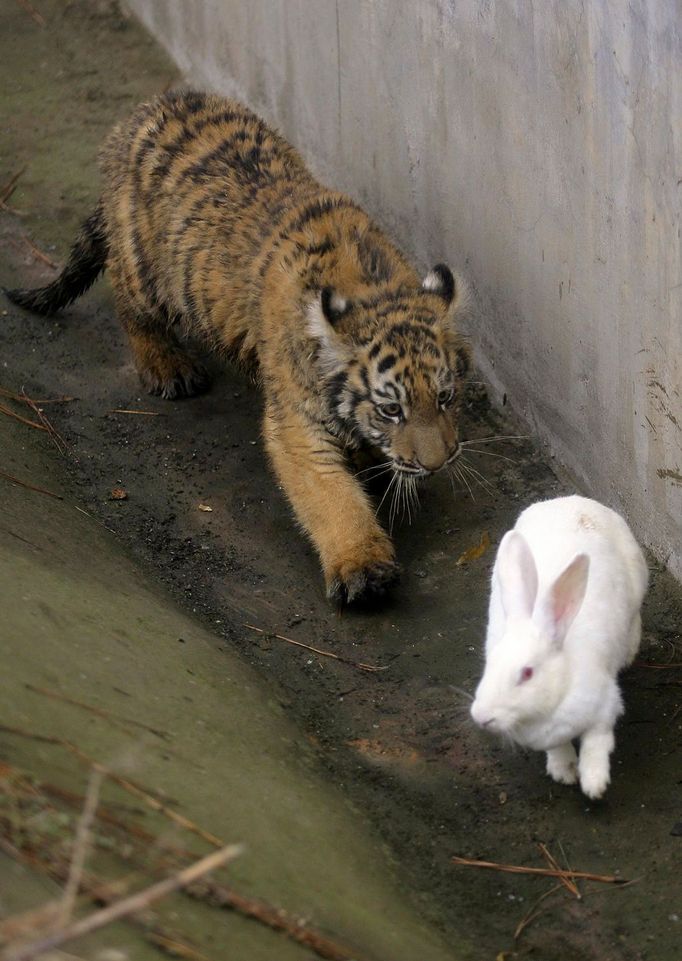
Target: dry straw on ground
(119, 834)
(359, 665)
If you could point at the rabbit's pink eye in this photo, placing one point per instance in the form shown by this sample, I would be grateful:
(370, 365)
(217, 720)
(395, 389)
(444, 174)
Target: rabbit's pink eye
(526, 674)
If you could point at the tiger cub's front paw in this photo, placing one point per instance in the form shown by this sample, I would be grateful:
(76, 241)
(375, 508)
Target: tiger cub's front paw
(355, 581)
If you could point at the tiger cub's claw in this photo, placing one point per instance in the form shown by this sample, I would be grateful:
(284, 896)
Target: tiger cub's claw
(363, 583)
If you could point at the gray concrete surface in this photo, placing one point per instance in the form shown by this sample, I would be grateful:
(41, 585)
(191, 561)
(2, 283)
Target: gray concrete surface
(537, 148)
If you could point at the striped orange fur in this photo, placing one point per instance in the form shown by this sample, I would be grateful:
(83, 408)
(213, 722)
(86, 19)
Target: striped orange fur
(211, 225)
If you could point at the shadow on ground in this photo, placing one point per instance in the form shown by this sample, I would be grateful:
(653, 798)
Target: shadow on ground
(398, 742)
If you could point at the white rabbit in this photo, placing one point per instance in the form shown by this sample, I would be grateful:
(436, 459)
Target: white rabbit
(564, 618)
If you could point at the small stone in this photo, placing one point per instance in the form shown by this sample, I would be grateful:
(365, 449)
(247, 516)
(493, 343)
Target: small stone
(205, 507)
(119, 494)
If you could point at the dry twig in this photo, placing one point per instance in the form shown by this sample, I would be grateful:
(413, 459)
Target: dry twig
(24, 420)
(108, 817)
(81, 510)
(55, 436)
(32, 12)
(9, 188)
(337, 657)
(533, 912)
(543, 872)
(40, 254)
(119, 722)
(127, 785)
(35, 252)
(176, 949)
(80, 847)
(294, 928)
(44, 423)
(146, 413)
(566, 882)
(12, 210)
(103, 893)
(19, 926)
(127, 906)
(25, 399)
(30, 487)
(206, 890)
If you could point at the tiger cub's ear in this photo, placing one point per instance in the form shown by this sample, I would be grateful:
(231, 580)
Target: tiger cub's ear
(440, 280)
(334, 306)
(323, 314)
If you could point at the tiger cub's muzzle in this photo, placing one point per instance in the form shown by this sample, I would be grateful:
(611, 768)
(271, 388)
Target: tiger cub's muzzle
(419, 468)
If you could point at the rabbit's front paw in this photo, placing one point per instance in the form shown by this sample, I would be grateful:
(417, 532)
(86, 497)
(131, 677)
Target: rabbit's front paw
(594, 766)
(562, 764)
(594, 779)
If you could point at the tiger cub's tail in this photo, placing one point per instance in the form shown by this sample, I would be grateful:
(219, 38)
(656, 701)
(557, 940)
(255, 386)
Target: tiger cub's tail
(86, 262)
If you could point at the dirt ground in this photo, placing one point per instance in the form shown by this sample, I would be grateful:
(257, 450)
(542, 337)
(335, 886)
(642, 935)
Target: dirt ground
(398, 742)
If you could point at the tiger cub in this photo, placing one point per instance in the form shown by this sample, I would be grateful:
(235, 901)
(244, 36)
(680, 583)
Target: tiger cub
(209, 221)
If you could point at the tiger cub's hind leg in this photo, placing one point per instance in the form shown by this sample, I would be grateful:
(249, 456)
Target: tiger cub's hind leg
(164, 366)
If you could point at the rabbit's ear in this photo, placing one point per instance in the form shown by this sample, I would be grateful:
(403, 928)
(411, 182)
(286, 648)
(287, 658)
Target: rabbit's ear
(518, 575)
(564, 599)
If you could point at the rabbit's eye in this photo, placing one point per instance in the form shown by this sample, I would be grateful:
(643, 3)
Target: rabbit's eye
(526, 674)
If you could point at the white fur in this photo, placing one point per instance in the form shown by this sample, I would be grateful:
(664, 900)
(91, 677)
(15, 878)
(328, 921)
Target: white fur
(567, 587)
(432, 281)
(463, 298)
(338, 303)
(334, 353)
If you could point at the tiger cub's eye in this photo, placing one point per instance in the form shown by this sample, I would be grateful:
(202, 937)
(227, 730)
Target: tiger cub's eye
(390, 411)
(445, 397)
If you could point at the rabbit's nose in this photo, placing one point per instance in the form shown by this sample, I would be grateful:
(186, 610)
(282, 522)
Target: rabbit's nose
(481, 715)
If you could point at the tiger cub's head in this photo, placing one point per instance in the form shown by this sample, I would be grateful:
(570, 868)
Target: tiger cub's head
(395, 368)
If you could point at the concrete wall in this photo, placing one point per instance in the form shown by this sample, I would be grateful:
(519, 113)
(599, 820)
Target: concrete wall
(538, 148)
